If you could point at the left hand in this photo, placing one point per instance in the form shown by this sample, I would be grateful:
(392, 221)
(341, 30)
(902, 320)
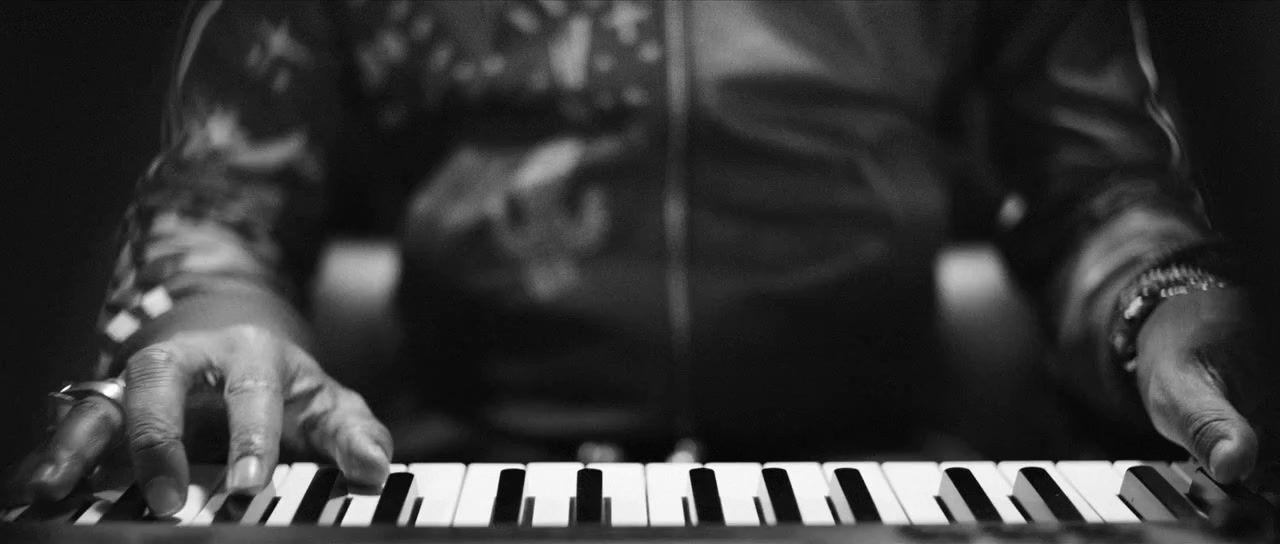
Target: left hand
(1205, 383)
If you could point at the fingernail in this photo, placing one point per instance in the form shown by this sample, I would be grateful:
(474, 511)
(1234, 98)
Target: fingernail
(365, 463)
(245, 474)
(163, 496)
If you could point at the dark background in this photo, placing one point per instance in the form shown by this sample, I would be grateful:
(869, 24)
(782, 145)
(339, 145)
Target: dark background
(81, 87)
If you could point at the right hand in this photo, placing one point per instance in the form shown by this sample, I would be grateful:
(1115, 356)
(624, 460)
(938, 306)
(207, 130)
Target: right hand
(272, 393)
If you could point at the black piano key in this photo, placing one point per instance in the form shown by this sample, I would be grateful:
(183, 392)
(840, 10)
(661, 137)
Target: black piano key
(131, 506)
(971, 493)
(507, 501)
(1154, 498)
(1050, 494)
(233, 508)
(1241, 495)
(1208, 494)
(316, 496)
(781, 496)
(59, 511)
(1243, 512)
(1205, 492)
(706, 496)
(391, 504)
(589, 501)
(857, 495)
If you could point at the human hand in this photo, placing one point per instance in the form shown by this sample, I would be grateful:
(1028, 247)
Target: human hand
(269, 393)
(1206, 385)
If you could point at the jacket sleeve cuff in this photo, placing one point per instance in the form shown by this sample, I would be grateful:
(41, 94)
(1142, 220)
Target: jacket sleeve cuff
(1084, 296)
(192, 305)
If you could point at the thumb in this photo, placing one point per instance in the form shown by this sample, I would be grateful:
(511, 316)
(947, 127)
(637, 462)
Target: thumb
(1188, 405)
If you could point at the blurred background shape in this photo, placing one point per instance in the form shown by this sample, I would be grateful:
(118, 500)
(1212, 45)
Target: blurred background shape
(80, 95)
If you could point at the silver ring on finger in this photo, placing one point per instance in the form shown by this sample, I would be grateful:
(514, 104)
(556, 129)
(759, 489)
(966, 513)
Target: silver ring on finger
(63, 399)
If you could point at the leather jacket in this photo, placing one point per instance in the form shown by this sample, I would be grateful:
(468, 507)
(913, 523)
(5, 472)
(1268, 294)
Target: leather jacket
(657, 219)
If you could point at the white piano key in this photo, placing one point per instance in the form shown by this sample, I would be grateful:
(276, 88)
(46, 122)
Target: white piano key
(623, 484)
(1186, 469)
(258, 506)
(551, 485)
(359, 510)
(1099, 483)
(549, 511)
(916, 483)
(1174, 477)
(210, 509)
(205, 481)
(438, 486)
(738, 483)
(479, 487)
(94, 512)
(667, 487)
(295, 485)
(1009, 469)
(811, 488)
(360, 506)
(332, 509)
(406, 510)
(997, 488)
(108, 485)
(106, 497)
(882, 494)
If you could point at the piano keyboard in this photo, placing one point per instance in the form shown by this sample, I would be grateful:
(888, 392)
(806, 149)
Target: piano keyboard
(538, 495)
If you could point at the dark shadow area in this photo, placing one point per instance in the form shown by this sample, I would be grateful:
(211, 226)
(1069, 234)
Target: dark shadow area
(81, 119)
(1223, 60)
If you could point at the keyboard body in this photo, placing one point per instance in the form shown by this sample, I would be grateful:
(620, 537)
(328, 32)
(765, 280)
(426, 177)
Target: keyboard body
(971, 501)
(1162, 533)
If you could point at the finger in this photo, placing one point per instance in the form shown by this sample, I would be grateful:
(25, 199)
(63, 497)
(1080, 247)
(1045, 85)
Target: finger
(1188, 405)
(91, 425)
(336, 422)
(255, 408)
(358, 442)
(157, 381)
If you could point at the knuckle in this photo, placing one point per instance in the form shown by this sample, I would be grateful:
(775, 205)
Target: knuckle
(72, 457)
(152, 366)
(250, 386)
(160, 354)
(350, 400)
(251, 335)
(148, 435)
(1162, 404)
(96, 408)
(252, 440)
(1205, 428)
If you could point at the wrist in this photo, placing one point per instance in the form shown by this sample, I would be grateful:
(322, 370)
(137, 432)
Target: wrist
(1185, 271)
(213, 310)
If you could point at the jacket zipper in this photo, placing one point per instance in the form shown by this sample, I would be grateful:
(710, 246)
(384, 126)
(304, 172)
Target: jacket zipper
(675, 213)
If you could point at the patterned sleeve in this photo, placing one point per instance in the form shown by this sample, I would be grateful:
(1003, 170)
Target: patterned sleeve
(1097, 166)
(229, 215)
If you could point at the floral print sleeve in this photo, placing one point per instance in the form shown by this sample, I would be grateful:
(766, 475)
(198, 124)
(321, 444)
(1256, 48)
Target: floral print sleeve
(253, 106)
